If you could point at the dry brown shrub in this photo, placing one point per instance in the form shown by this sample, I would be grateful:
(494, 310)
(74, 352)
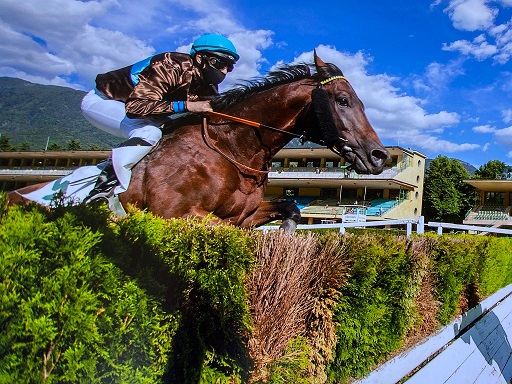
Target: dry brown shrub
(292, 291)
(426, 305)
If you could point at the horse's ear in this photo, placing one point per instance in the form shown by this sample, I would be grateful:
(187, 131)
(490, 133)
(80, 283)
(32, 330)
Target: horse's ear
(319, 63)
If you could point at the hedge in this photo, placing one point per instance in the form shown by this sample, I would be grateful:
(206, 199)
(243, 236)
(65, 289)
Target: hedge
(85, 297)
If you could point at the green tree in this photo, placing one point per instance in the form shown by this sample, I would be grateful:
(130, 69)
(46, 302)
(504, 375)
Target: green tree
(25, 146)
(55, 147)
(490, 170)
(94, 147)
(446, 197)
(5, 144)
(74, 145)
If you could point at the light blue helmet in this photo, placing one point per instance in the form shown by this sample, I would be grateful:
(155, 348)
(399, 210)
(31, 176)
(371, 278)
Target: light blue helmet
(215, 43)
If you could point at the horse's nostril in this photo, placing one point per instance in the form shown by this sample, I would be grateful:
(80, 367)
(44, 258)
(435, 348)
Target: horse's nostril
(379, 157)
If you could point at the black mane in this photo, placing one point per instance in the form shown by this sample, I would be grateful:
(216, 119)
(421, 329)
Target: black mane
(283, 75)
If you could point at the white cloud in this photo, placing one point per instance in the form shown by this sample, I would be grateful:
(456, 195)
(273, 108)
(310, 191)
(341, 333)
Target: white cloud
(439, 76)
(435, 4)
(486, 147)
(504, 136)
(70, 42)
(471, 15)
(478, 48)
(507, 115)
(478, 15)
(484, 129)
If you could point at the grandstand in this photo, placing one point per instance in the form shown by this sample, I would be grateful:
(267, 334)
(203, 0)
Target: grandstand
(495, 203)
(324, 187)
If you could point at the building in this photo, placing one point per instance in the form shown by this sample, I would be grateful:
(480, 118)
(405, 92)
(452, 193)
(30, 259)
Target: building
(495, 201)
(316, 178)
(326, 190)
(18, 169)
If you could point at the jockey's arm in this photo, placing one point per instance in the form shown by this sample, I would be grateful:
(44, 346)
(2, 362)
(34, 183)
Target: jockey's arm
(150, 97)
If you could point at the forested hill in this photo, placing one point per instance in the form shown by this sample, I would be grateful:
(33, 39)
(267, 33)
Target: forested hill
(32, 113)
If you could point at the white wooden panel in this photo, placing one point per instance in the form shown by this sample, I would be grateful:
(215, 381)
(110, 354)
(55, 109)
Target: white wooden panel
(459, 350)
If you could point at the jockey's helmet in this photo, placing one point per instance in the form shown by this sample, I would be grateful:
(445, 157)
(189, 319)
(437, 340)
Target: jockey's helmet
(215, 43)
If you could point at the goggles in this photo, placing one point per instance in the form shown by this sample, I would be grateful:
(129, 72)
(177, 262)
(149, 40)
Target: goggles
(219, 63)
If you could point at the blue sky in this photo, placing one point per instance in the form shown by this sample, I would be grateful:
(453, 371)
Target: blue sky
(435, 76)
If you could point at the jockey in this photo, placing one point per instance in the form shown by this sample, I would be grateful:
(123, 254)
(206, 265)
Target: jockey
(133, 102)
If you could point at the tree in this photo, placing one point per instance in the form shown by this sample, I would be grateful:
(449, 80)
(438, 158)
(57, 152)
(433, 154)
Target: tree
(490, 170)
(446, 197)
(74, 145)
(55, 147)
(5, 144)
(25, 146)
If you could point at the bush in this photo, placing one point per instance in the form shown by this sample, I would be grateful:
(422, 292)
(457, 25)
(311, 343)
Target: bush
(67, 314)
(496, 271)
(376, 306)
(204, 269)
(88, 298)
(457, 262)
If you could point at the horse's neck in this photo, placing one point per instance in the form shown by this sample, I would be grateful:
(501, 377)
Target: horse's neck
(277, 108)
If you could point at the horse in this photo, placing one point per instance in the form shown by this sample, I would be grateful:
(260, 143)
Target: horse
(217, 168)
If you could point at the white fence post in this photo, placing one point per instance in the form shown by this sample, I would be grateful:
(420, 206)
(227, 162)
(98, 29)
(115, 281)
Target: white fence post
(420, 226)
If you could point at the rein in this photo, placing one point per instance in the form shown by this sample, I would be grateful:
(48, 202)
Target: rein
(260, 175)
(255, 124)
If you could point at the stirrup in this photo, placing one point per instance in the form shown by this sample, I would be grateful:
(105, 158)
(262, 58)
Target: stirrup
(104, 191)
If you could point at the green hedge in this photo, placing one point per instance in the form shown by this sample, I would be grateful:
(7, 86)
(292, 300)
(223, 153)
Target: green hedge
(88, 298)
(67, 314)
(376, 307)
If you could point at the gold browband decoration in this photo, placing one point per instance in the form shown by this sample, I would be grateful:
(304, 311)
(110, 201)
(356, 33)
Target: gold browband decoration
(323, 82)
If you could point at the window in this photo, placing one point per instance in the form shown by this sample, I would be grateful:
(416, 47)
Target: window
(495, 198)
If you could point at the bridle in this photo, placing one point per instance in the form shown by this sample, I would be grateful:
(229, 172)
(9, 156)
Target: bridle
(259, 174)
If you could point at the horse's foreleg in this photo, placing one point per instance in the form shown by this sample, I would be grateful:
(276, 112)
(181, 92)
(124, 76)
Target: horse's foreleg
(286, 211)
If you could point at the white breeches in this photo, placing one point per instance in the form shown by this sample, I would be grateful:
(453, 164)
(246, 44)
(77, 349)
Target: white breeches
(110, 116)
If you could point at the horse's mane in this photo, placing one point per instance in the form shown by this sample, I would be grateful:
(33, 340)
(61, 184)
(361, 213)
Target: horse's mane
(283, 75)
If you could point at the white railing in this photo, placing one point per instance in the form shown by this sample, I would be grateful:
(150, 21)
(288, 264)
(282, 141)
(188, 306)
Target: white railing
(418, 221)
(462, 227)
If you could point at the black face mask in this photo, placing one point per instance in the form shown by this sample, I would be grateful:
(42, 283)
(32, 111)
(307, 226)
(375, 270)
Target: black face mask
(212, 75)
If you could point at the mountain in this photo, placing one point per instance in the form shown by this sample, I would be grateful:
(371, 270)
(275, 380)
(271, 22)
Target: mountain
(470, 168)
(32, 113)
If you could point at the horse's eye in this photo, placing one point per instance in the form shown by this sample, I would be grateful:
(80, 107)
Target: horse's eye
(342, 101)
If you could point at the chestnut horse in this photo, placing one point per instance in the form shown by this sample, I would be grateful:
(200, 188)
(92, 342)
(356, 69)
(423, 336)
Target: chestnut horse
(218, 168)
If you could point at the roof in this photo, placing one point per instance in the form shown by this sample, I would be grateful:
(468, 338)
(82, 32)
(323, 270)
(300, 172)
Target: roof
(491, 185)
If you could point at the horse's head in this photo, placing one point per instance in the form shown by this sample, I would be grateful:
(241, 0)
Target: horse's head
(336, 115)
(323, 106)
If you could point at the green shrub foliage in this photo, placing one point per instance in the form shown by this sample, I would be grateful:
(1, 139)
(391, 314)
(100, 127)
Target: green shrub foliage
(69, 315)
(457, 261)
(88, 298)
(375, 309)
(496, 269)
(206, 268)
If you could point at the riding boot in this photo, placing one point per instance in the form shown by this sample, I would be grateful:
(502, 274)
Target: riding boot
(107, 180)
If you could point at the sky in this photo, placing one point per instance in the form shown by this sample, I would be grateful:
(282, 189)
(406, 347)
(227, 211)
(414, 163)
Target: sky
(435, 75)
